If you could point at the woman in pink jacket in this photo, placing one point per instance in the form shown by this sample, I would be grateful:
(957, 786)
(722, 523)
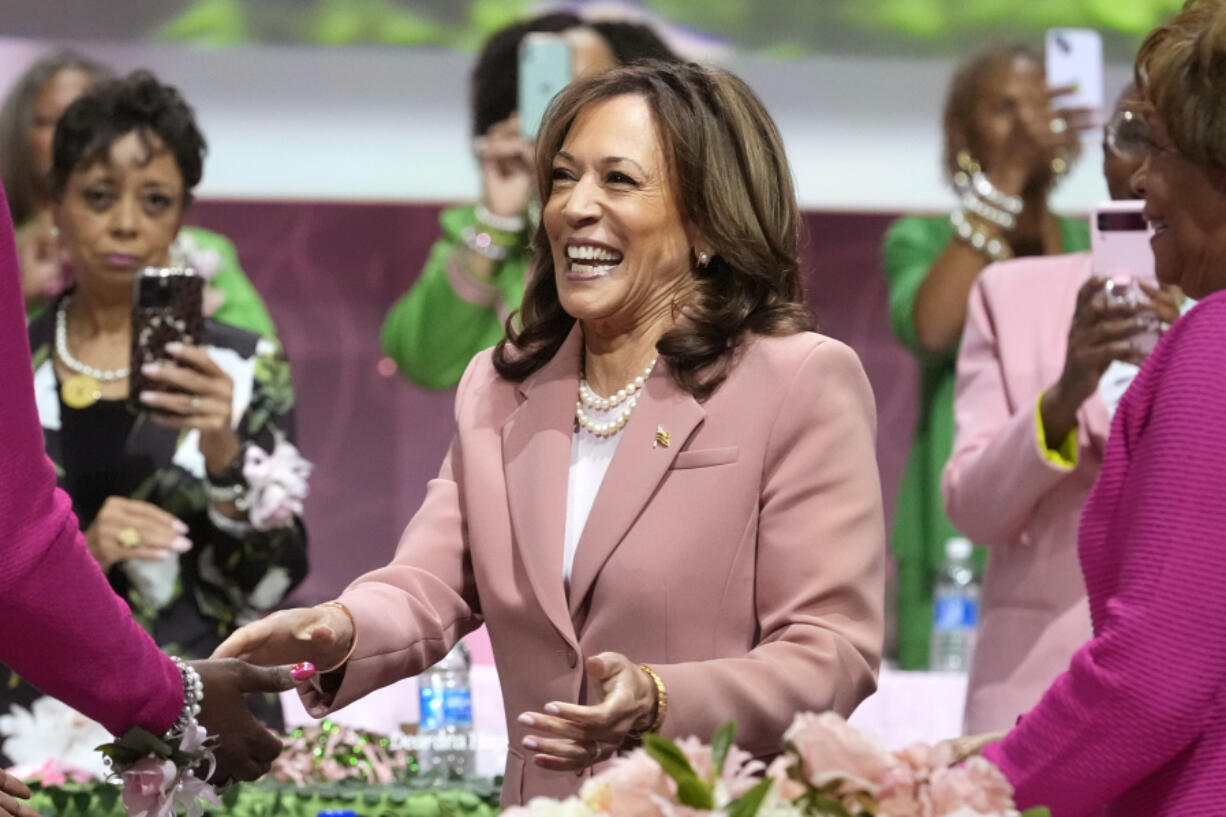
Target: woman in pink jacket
(64, 629)
(1030, 427)
(1138, 722)
(662, 495)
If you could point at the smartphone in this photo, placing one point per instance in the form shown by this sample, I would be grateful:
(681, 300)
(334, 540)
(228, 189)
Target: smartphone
(544, 70)
(167, 306)
(1121, 252)
(1075, 57)
(1119, 242)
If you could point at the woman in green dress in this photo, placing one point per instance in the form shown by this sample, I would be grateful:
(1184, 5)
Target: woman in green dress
(1005, 150)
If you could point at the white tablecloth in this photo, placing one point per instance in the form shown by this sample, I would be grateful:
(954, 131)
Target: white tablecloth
(908, 707)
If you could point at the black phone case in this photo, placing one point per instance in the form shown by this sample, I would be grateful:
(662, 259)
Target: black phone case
(168, 306)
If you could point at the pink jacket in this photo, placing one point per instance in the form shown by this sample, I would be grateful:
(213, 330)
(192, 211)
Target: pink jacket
(62, 628)
(1002, 492)
(743, 561)
(1138, 722)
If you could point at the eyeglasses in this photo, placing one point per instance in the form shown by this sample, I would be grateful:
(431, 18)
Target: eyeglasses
(1128, 136)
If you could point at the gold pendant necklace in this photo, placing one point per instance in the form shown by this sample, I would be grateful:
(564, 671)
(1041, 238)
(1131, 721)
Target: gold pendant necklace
(80, 391)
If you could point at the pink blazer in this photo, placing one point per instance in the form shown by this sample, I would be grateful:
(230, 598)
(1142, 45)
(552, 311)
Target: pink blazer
(1002, 492)
(743, 561)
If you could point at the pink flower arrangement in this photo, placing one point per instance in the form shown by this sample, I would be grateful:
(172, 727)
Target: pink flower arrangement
(827, 768)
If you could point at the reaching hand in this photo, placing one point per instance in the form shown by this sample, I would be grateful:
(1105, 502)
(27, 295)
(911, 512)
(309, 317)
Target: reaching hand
(321, 635)
(571, 737)
(12, 792)
(130, 529)
(247, 748)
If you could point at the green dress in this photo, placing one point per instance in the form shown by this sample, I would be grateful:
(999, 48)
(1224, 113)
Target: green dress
(921, 529)
(448, 316)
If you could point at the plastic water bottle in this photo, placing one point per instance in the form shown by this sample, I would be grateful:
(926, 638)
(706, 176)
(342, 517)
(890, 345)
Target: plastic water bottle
(447, 716)
(955, 610)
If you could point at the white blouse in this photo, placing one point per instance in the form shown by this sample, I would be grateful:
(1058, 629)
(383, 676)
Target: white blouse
(589, 461)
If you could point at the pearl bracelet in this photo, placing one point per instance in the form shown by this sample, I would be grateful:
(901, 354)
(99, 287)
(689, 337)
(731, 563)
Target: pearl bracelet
(193, 695)
(503, 224)
(482, 244)
(993, 248)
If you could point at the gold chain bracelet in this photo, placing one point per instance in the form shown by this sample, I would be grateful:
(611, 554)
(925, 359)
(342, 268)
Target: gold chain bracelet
(661, 698)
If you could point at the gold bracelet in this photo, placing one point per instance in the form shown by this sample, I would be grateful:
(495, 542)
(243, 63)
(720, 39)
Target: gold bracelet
(661, 698)
(353, 645)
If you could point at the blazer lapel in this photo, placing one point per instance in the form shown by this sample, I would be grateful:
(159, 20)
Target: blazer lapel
(536, 443)
(633, 476)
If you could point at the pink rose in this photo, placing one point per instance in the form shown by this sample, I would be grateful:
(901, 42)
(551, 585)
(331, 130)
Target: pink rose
(976, 784)
(924, 759)
(148, 786)
(787, 788)
(630, 786)
(831, 750)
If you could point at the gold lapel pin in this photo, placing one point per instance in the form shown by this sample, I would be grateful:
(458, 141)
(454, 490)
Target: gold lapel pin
(662, 437)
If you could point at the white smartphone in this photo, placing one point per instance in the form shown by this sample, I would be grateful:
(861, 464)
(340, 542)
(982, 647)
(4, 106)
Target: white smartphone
(544, 70)
(1075, 58)
(1119, 242)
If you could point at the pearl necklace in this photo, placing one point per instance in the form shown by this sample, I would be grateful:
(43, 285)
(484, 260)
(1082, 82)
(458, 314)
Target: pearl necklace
(627, 397)
(61, 349)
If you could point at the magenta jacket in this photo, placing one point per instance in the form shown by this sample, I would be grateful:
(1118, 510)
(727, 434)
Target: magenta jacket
(1138, 722)
(61, 626)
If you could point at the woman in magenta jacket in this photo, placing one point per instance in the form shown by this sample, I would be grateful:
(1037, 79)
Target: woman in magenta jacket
(64, 629)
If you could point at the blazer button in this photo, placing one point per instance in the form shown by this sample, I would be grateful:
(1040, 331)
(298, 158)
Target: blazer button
(572, 658)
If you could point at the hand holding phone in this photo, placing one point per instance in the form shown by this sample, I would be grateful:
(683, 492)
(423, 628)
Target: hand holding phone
(1074, 59)
(168, 307)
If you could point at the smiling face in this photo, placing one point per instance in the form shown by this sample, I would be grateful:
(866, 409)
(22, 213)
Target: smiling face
(1184, 203)
(121, 213)
(621, 248)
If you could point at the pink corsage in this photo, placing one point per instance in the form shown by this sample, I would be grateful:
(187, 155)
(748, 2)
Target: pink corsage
(277, 485)
(158, 778)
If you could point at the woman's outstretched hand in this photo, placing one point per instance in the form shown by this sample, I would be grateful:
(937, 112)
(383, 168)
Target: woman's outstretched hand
(321, 635)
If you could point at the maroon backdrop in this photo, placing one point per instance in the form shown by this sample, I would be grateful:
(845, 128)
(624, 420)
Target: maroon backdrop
(328, 273)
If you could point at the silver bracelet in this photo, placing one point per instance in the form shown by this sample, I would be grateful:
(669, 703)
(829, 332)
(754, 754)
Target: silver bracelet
(503, 224)
(193, 695)
(986, 211)
(232, 527)
(221, 494)
(993, 248)
(482, 244)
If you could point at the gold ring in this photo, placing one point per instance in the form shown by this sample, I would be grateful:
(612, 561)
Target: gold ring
(195, 404)
(129, 537)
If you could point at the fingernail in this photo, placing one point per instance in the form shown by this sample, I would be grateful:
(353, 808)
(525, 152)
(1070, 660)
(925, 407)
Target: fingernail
(150, 369)
(552, 709)
(180, 526)
(531, 743)
(303, 671)
(148, 397)
(527, 720)
(181, 545)
(174, 347)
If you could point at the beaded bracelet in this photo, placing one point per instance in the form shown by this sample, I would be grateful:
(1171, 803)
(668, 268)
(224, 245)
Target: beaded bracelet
(502, 224)
(193, 696)
(993, 248)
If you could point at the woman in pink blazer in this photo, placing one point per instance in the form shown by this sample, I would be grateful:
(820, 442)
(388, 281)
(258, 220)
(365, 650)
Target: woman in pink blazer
(705, 542)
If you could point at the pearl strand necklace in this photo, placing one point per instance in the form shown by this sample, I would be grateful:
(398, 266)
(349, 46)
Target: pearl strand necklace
(61, 349)
(627, 397)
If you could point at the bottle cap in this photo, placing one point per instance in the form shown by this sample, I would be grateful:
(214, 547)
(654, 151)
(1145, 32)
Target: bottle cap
(958, 549)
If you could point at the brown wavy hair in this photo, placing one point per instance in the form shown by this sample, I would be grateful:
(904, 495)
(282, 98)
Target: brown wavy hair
(733, 184)
(1181, 71)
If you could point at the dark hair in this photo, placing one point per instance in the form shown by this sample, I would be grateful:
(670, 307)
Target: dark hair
(1181, 71)
(137, 102)
(966, 88)
(733, 184)
(17, 118)
(633, 42)
(495, 78)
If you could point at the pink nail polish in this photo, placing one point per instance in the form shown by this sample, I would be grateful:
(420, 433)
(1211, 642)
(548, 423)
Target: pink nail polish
(181, 545)
(552, 709)
(150, 369)
(302, 672)
(174, 347)
(527, 720)
(180, 526)
(531, 743)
